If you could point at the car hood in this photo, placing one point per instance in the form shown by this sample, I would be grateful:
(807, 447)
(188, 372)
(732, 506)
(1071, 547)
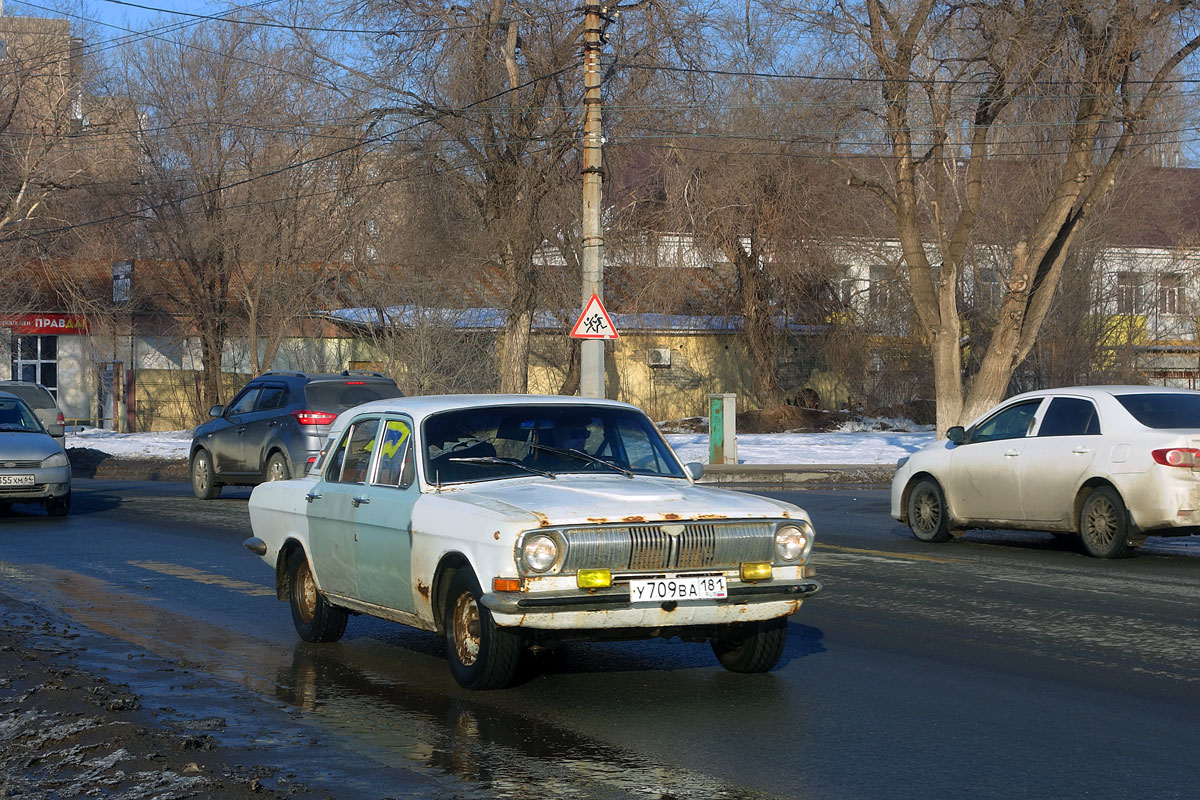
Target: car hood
(573, 500)
(17, 446)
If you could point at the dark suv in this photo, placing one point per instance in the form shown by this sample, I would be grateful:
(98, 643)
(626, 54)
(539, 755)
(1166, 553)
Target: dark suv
(274, 428)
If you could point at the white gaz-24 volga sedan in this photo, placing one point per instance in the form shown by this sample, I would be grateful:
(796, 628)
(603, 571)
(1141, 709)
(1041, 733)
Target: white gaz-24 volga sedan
(506, 522)
(1111, 464)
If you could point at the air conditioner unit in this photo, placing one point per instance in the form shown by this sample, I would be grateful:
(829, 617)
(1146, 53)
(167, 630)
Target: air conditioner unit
(659, 357)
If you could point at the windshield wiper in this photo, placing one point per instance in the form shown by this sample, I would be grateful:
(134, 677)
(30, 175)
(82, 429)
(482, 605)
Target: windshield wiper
(573, 453)
(493, 461)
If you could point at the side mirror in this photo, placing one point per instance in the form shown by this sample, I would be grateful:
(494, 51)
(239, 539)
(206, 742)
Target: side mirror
(957, 434)
(694, 469)
(216, 411)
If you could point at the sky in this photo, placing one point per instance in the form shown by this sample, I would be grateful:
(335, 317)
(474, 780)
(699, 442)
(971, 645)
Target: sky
(838, 447)
(115, 16)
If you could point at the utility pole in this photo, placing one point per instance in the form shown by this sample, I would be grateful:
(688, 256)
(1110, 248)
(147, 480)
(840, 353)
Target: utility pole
(591, 355)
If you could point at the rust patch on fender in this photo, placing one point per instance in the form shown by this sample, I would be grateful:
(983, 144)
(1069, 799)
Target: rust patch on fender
(633, 519)
(712, 516)
(671, 516)
(423, 590)
(598, 520)
(543, 520)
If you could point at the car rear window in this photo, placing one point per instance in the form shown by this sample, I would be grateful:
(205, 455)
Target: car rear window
(1163, 410)
(34, 395)
(340, 395)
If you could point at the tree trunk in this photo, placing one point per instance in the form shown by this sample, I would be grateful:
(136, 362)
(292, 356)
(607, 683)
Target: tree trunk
(514, 355)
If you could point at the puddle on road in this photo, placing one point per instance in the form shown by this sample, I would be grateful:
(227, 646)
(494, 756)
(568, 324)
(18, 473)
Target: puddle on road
(394, 707)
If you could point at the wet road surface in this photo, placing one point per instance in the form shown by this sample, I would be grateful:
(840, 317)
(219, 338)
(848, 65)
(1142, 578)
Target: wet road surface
(1005, 664)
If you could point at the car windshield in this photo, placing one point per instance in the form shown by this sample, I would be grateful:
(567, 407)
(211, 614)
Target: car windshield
(16, 416)
(1163, 410)
(479, 444)
(32, 394)
(337, 396)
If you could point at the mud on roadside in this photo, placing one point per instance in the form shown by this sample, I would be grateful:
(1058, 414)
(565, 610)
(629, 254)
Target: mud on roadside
(66, 731)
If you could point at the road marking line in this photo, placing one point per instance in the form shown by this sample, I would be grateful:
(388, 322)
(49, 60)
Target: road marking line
(885, 554)
(188, 573)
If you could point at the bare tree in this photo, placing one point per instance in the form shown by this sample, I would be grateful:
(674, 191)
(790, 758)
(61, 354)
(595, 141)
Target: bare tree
(251, 168)
(1070, 88)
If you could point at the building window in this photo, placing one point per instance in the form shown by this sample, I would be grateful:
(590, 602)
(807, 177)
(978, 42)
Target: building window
(1170, 294)
(35, 359)
(1129, 286)
(880, 289)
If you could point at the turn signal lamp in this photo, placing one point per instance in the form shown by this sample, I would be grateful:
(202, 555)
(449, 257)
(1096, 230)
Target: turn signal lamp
(756, 571)
(506, 584)
(593, 578)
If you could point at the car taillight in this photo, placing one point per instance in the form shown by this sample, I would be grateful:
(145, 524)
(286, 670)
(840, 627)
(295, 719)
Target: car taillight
(356, 383)
(1177, 457)
(60, 420)
(314, 417)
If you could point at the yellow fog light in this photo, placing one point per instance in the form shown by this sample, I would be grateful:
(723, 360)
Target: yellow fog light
(756, 571)
(593, 578)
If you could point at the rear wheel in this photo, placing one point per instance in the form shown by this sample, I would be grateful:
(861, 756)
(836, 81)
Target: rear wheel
(1104, 524)
(204, 479)
(59, 506)
(277, 468)
(751, 646)
(927, 512)
(482, 655)
(316, 620)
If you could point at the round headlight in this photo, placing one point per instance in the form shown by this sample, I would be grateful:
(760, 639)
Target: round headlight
(57, 460)
(793, 542)
(540, 552)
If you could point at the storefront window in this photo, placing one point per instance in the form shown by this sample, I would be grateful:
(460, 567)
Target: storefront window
(35, 359)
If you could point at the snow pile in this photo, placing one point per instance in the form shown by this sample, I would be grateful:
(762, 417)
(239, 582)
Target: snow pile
(857, 443)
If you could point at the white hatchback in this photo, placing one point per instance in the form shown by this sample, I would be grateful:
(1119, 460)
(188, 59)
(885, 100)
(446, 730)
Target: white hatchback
(1113, 464)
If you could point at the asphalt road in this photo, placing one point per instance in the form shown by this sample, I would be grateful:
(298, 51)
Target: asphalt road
(1003, 665)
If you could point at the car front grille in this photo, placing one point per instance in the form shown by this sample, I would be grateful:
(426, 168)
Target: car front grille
(34, 464)
(699, 545)
(22, 491)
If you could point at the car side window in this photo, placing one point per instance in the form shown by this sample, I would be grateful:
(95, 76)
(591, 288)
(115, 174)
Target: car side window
(1011, 423)
(395, 465)
(353, 455)
(1070, 416)
(244, 402)
(272, 397)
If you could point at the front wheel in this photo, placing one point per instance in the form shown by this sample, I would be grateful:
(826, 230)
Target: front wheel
(751, 646)
(59, 506)
(927, 515)
(316, 620)
(1104, 524)
(482, 655)
(204, 478)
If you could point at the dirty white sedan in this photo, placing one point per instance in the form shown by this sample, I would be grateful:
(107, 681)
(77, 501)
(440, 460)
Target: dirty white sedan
(506, 522)
(1111, 464)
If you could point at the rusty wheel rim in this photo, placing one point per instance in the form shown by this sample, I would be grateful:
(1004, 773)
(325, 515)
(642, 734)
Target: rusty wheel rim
(306, 594)
(466, 629)
(1101, 522)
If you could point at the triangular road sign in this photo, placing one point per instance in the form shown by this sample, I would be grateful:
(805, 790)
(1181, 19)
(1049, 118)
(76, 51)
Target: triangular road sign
(594, 322)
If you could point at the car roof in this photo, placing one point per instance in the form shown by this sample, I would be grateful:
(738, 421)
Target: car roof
(421, 406)
(1104, 391)
(324, 376)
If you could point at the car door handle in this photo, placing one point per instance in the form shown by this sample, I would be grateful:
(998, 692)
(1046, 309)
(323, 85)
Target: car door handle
(360, 501)
(242, 429)
(1082, 450)
(273, 423)
(312, 496)
(1011, 453)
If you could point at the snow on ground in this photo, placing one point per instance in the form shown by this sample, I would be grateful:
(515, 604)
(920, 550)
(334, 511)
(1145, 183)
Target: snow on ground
(841, 447)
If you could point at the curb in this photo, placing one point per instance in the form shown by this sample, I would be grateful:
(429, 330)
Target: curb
(793, 474)
(89, 463)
